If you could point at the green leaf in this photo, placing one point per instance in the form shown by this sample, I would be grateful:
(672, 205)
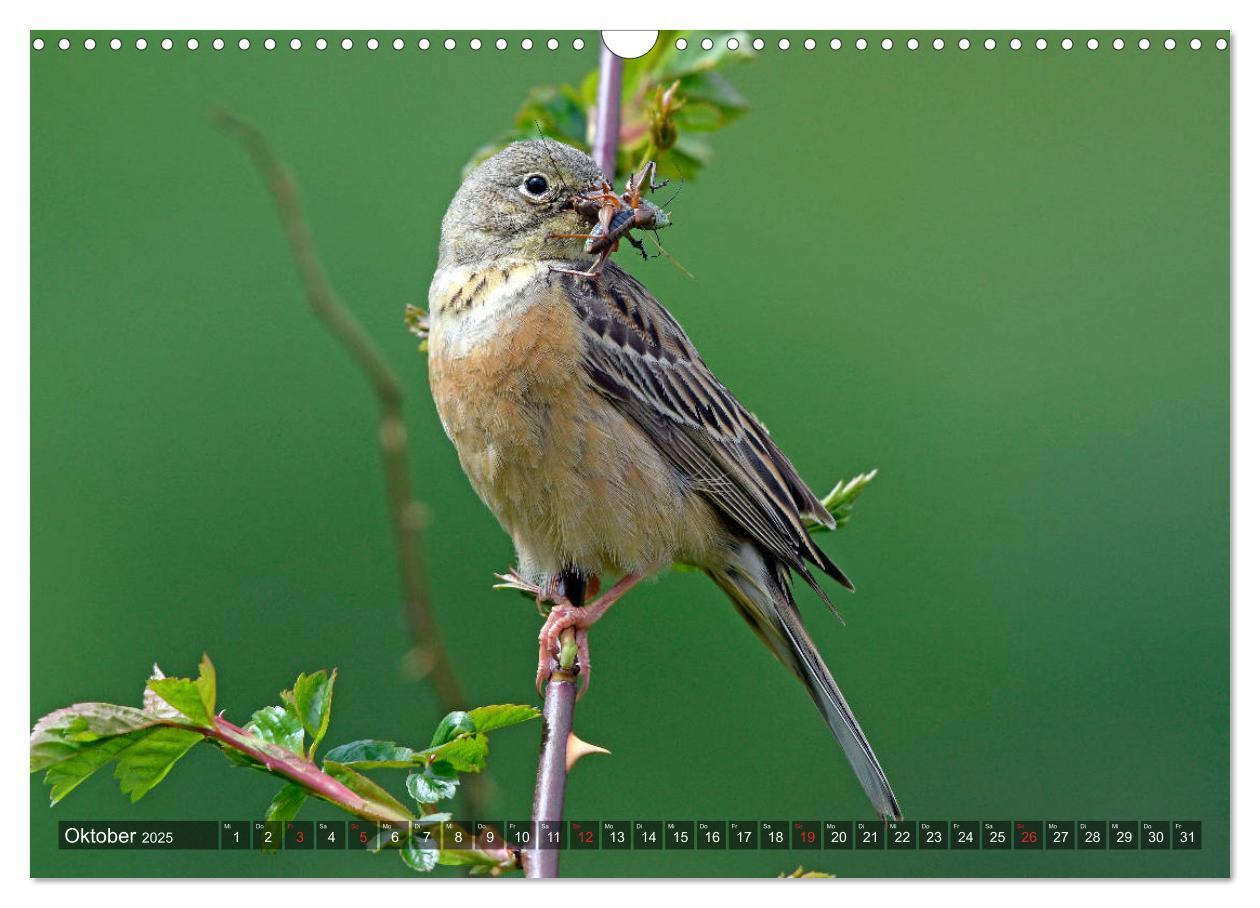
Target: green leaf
(695, 59)
(839, 501)
(147, 761)
(369, 754)
(66, 775)
(452, 724)
(467, 753)
(312, 701)
(367, 789)
(63, 733)
(287, 802)
(277, 725)
(488, 718)
(419, 859)
(436, 782)
(192, 699)
(207, 684)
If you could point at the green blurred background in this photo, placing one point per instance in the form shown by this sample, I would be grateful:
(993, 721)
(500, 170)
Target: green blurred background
(1000, 277)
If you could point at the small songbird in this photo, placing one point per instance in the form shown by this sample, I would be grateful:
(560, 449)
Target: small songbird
(588, 423)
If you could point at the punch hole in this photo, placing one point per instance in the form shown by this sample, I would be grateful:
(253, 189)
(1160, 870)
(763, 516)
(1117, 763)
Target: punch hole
(1195, 44)
(578, 44)
(346, 44)
(321, 44)
(217, 44)
(500, 44)
(989, 44)
(1016, 44)
(115, 44)
(475, 44)
(193, 44)
(836, 44)
(449, 44)
(1221, 44)
(706, 44)
(733, 44)
(399, 44)
(270, 43)
(38, 44)
(784, 44)
(1041, 44)
(141, 43)
(886, 44)
(963, 43)
(243, 44)
(372, 44)
(860, 44)
(630, 45)
(167, 44)
(89, 44)
(296, 44)
(913, 44)
(527, 44)
(758, 44)
(1092, 44)
(423, 44)
(1118, 44)
(938, 44)
(810, 43)
(1066, 44)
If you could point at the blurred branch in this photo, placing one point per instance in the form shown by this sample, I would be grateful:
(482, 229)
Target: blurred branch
(407, 514)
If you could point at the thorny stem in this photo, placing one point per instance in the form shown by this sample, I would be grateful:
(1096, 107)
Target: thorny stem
(561, 693)
(299, 770)
(407, 514)
(553, 771)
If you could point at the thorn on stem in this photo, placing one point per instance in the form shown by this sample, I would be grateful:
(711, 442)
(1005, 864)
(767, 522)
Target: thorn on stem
(576, 749)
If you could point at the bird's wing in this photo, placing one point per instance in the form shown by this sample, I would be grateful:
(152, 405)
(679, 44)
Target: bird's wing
(638, 356)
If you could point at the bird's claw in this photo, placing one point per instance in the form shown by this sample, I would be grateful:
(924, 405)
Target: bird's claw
(563, 615)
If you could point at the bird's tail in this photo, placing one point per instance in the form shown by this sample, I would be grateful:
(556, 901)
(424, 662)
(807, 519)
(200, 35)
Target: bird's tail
(759, 588)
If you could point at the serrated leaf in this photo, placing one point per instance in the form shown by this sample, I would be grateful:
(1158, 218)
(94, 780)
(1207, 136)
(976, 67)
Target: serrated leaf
(367, 789)
(184, 696)
(277, 725)
(207, 685)
(452, 725)
(467, 753)
(287, 802)
(436, 782)
(62, 733)
(147, 761)
(68, 774)
(489, 718)
(369, 754)
(312, 701)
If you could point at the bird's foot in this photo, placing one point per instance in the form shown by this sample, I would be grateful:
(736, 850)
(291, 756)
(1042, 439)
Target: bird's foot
(564, 615)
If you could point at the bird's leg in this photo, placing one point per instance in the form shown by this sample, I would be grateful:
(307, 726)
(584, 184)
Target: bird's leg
(564, 615)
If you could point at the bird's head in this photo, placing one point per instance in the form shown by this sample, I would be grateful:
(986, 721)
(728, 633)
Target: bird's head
(514, 204)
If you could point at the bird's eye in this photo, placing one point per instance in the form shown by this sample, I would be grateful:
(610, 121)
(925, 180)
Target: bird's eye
(536, 184)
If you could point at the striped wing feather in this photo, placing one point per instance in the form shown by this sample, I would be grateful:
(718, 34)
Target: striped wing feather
(640, 358)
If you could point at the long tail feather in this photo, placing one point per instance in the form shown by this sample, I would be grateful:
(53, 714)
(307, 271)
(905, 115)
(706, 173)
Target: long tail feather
(760, 593)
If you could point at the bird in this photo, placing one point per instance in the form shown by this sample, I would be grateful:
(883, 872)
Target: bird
(588, 423)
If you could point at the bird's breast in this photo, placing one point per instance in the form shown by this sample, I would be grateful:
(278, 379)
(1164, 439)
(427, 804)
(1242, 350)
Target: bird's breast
(571, 478)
